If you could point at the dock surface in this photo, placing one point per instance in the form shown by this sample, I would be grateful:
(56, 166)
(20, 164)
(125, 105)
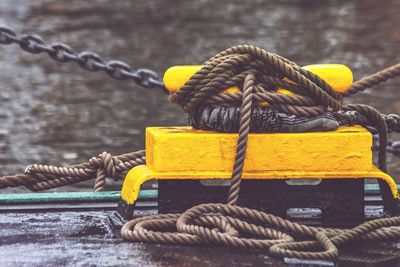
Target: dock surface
(91, 238)
(84, 234)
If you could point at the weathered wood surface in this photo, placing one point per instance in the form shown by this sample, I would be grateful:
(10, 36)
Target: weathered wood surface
(83, 230)
(91, 238)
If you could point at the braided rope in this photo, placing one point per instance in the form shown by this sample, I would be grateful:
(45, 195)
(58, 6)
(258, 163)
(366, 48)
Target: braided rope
(239, 227)
(374, 79)
(39, 177)
(241, 147)
(259, 74)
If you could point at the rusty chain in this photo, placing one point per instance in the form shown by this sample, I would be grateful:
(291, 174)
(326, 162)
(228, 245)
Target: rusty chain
(86, 60)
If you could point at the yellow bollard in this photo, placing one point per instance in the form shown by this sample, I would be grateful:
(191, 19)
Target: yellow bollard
(183, 153)
(338, 76)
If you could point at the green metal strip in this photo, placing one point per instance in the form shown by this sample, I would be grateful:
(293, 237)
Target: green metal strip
(69, 197)
(99, 196)
(374, 188)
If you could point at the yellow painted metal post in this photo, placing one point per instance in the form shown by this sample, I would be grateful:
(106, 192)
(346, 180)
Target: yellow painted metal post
(132, 183)
(185, 153)
(338, 76)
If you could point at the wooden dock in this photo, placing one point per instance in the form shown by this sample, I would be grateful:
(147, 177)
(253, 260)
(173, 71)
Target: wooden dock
(82, 229)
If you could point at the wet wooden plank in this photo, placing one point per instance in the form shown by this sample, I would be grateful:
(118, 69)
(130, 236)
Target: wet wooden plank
(47, 229)
(92, 238)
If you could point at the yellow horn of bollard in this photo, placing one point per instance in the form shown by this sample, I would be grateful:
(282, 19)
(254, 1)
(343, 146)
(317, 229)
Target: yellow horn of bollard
(338, 76)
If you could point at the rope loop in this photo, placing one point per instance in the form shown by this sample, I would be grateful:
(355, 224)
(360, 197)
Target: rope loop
(259, 74)
(230, 67)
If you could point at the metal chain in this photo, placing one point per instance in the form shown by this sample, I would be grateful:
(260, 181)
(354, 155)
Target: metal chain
(221, 223)
(86, 60)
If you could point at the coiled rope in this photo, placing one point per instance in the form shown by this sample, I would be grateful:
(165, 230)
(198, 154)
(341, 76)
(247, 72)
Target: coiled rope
(259, 73)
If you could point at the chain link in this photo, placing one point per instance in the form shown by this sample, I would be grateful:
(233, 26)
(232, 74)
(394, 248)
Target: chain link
(86, 60)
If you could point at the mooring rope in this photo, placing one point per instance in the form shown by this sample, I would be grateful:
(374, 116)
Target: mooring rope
(233, 226)
(38, 177)
(258, 73)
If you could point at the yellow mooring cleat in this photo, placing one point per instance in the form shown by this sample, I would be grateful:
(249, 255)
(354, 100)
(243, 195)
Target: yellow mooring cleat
(194, 166)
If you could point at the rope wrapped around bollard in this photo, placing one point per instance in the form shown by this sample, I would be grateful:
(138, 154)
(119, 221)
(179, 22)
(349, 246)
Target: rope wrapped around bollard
(258, 71)
(258, 74)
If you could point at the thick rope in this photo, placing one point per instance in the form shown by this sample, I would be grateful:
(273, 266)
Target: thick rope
(274, 68)
(241, 147)
(39, 177)
(374, 79)
(233, 226)
(259, 74)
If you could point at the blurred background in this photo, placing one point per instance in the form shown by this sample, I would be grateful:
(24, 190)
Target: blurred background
(59, 114)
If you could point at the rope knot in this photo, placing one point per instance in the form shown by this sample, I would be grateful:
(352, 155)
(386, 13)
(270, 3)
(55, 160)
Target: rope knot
(109, 165)
(106, 167)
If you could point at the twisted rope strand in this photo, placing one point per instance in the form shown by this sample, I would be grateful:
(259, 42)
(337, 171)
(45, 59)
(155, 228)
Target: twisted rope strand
(241, 147)
(258, 74)
(225, 224)
(39, 177)
(374, 79)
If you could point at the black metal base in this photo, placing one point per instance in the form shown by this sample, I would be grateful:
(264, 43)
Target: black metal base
(391, 207)
(331, 202)
(340, 201)
(125, 210)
